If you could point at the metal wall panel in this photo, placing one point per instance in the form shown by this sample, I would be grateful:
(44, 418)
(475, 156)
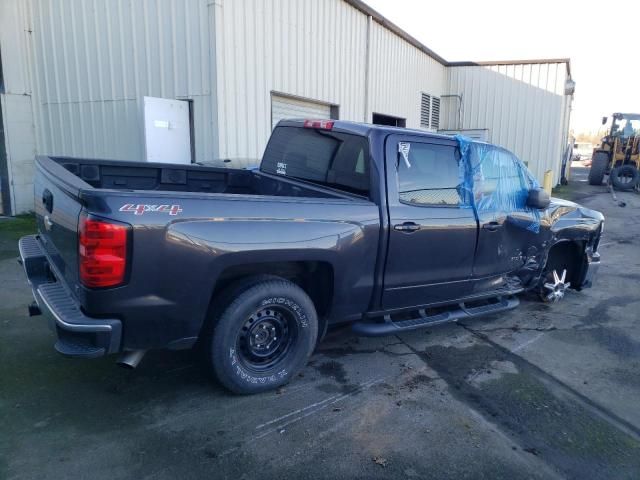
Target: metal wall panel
(14, 47)
(94, 61)
(315, 50)
(306, 48)
(400, 73)
(20, 151)
(480, 134)
(17, 135)
(523, 106)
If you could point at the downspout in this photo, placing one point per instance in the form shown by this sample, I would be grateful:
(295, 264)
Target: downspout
(367, 73)
(565, 162)
(5, 185)
(460, 119)
(213, 11)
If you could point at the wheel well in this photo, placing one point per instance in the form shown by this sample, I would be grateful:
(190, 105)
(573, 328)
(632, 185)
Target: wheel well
(315, 278)
(569, 255)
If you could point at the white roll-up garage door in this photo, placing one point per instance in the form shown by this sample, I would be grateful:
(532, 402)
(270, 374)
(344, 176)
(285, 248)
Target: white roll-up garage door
(285, 107)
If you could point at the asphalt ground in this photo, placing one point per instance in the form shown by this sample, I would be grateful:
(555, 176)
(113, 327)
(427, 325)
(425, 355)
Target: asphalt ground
(539, 392)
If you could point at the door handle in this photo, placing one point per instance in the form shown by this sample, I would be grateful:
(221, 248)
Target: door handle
(407, 227)
(492, 226)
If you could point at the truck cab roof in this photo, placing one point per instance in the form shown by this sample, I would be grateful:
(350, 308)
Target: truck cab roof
(364, 129)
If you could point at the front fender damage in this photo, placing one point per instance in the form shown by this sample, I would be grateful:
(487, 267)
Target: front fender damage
(565, 223)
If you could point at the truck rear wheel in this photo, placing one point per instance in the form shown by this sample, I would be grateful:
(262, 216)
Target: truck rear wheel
(262, 335)
(599, 164)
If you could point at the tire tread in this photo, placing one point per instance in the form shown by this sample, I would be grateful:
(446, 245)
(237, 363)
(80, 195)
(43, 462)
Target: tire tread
(598, 168)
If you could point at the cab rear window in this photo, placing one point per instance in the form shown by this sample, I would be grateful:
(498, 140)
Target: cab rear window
(333, 159)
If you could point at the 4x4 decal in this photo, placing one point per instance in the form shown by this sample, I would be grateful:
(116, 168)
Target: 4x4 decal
(141, 209)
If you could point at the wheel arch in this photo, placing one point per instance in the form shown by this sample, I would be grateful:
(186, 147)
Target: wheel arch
(315, 277)
(570, 254)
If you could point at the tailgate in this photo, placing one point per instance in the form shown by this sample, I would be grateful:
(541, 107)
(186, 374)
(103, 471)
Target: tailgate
(57, 210)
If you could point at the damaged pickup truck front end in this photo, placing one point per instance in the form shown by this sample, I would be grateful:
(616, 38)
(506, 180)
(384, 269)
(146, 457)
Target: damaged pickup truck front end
(545, 244)
(582, 226)
(569, 245)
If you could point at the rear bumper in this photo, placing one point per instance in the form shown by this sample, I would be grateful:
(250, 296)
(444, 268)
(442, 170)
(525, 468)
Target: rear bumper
(78, 335)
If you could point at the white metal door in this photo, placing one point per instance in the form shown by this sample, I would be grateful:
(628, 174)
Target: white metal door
(166, 130)
(285, 107)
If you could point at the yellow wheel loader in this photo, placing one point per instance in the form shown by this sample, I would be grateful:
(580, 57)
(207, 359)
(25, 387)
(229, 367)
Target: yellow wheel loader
(618, 154)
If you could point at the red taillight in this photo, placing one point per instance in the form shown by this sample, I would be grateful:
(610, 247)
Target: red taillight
(323, 124)
(102, 250)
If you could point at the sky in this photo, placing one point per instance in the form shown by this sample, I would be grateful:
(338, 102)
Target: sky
(604, 47)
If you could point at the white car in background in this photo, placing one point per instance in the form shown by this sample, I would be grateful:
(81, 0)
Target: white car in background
(582, 151)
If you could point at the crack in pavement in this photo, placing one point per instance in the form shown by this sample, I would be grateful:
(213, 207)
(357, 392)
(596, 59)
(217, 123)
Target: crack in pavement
(338, 352)
(516, 328)
(284, 421)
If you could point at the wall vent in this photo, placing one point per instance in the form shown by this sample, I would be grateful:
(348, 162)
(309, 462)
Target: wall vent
(435, 113)
(425, 110)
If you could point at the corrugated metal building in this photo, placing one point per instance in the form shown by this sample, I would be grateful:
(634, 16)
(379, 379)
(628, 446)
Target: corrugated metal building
(75, 74)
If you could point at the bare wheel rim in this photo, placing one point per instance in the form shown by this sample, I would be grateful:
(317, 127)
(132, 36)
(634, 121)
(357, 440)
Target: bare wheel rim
(266, 337)
(555, 286)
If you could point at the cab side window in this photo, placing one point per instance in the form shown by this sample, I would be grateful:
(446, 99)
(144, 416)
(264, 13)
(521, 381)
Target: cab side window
(428, 175)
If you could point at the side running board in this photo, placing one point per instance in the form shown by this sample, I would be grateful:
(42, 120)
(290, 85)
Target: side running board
(389, 327)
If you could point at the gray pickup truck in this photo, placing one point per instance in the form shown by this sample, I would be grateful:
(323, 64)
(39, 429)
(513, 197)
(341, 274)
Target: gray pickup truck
(389, 229)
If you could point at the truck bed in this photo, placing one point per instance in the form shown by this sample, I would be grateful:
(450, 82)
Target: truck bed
(125, 175)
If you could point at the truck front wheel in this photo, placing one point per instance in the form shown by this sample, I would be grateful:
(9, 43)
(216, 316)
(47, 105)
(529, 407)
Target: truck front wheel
(263, 332)
(560, 271)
